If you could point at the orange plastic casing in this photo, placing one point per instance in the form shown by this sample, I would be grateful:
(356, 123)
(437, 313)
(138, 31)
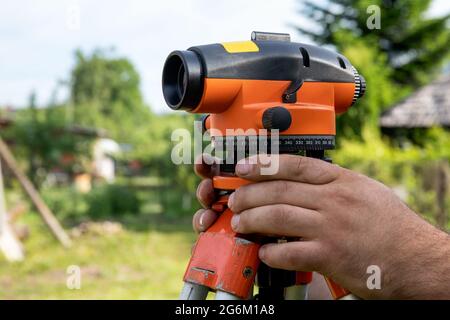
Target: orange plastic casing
(240, 104)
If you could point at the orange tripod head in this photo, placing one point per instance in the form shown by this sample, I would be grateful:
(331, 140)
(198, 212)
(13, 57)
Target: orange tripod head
(266, 83)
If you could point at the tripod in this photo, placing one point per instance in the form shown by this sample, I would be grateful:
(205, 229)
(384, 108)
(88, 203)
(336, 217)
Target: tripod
(227, 263)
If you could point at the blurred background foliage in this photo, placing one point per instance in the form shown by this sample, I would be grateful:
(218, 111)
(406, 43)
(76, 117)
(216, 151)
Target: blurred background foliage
(407, 51)
(105, 99)
(151, 193)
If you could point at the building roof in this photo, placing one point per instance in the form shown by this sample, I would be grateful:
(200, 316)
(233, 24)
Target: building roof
(427, 107)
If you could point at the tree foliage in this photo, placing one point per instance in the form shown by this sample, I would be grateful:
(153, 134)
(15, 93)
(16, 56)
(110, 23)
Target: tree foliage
(105, 93)
(414, 45)
(105, 82)
(406, 51)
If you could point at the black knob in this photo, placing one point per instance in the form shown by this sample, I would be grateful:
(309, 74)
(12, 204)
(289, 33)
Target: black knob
(277, 118)
(362, 86)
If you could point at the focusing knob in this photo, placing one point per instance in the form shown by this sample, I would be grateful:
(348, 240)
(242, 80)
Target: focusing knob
(277, 118)
(360, 86)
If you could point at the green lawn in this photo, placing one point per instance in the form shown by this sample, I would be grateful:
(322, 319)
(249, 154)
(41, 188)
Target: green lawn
(144, 261)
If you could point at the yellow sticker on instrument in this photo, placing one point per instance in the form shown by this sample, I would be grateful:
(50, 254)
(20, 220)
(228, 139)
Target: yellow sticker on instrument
(240, 46)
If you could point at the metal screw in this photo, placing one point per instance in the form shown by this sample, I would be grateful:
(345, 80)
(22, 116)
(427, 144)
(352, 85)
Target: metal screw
(248, 272)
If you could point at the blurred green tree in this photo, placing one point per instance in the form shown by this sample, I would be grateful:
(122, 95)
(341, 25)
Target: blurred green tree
(105, 93)
(406, 50)
(414, 44)
(105, 80)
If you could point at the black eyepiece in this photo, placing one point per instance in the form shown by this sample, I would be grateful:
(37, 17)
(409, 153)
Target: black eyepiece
(182, 80)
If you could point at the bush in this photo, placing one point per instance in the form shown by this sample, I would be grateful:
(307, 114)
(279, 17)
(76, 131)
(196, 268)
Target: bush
(102, 202)
(112, 200)
(177, 203)
(66, 203)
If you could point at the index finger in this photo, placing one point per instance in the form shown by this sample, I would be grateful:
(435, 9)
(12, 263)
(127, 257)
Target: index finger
(206, 166)
(287, 167)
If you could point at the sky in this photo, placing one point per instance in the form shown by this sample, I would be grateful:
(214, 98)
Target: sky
(38, 38)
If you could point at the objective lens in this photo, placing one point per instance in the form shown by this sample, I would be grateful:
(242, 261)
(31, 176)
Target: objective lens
(182, 80)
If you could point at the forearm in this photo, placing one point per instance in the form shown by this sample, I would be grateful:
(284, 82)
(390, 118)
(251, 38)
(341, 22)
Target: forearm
(422, 269)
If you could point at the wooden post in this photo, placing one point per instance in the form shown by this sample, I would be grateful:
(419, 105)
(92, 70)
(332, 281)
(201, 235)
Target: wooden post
(40, 205)
(9, 244)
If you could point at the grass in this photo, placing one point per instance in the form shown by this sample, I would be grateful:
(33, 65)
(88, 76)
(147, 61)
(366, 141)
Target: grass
(144, 261)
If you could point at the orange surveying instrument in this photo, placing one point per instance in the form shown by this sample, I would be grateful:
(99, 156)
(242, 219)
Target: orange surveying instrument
(291, 92)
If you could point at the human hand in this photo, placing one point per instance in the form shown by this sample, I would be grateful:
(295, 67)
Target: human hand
(347, 223)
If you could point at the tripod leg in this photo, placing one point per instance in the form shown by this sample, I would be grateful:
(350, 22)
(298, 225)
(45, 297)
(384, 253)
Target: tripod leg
(299, 292)
(350, 297)
(221, 295)
(192, 291)
(223, 260)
